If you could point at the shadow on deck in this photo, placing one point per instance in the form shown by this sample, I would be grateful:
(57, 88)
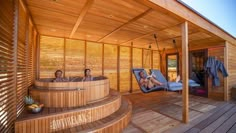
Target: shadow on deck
(162, 112)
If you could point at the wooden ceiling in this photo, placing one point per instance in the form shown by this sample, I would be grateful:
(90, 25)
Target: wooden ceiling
(112, 21)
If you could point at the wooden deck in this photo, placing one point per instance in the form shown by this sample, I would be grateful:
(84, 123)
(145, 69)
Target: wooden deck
(161, 111)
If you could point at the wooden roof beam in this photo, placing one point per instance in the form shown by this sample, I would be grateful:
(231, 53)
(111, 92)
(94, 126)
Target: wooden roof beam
(150, 33)
(84, 11)
(130, 21)
(189, 15)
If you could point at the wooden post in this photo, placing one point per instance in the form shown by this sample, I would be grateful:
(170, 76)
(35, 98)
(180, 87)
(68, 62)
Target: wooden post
(65, 59)
(85, 54)
(226, 79)
(38, 57)
(103, 59)
(118, 68)
(131, 67)
(142, 58)
(151, 59)
(185, 96)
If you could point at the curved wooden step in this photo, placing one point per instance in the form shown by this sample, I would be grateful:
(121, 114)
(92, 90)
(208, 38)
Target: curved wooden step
(43, 122)
(113, 123)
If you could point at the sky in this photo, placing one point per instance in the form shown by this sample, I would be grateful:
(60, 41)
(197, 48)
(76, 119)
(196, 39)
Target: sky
(220, 12)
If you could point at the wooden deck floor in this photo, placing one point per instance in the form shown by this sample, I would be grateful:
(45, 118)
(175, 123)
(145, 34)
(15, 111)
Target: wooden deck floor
(161, 111)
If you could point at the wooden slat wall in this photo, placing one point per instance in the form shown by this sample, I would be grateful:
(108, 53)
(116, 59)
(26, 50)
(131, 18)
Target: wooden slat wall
(17, 60)
(51, 56)
(100, 58)
(7, 89)
(156, 60)
(216, 92)
(147, 60)
(231, 68)
(22, 59)
(125, 69)
(110, 64)
(30, 68)
(137, 63)
(74, 57)
(94, 58)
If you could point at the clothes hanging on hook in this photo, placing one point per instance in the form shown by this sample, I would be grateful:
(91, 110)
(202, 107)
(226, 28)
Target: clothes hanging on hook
(212, 66)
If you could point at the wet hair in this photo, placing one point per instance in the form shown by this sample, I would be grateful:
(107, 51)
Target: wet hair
(58, 71)
(85, 70)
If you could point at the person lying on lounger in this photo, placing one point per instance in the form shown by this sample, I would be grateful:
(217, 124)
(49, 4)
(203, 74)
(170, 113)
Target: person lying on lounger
(148, 82)
(59, 78)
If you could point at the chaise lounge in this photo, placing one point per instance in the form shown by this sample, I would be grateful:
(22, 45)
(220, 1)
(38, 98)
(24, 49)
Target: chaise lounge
(143, 89)
(171, 86)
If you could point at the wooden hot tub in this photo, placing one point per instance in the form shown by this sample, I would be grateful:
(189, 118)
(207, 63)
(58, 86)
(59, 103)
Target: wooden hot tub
(69, 94)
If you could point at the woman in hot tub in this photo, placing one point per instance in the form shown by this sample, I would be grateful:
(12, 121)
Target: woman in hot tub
(59, 78)
(87, 75)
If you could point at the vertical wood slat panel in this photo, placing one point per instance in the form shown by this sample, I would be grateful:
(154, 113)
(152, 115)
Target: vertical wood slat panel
(16, 61)
(110, 64)
(125, 69)
(94, 58)
(137, 63)
(21, 79)
(213, 91)
(51, 56)
(231, 68)
(74, 57)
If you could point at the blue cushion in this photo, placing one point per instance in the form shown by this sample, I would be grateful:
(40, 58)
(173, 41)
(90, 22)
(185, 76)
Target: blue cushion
(194, 85)
(191, 81)
(172, 86)
(175, 88)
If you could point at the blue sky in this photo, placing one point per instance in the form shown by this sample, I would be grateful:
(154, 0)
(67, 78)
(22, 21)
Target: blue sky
(220, 12)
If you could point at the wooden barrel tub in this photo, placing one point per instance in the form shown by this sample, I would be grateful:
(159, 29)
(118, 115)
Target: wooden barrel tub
(69, 94)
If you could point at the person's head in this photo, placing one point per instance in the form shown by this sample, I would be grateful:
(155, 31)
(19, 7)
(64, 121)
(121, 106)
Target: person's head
(141, 74)
(58, 73)
(87, 72)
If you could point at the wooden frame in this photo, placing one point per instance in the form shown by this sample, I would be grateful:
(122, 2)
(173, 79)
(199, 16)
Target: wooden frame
(177, 70)
(226, 79)
(205, 58)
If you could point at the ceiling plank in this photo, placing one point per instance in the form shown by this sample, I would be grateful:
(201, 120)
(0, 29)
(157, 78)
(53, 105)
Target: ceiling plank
(130, 21)
(150, 33)
(81, 16)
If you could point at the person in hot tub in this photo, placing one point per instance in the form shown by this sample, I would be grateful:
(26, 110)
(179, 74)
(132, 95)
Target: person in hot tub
(87, 75)
(59, 78)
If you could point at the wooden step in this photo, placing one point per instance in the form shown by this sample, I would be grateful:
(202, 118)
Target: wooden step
(113, 123)
(44, 121)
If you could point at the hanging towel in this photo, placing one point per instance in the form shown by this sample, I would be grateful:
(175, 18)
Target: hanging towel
(212, 67)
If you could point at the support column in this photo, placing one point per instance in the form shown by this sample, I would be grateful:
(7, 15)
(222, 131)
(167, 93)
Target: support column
(226, 64)
(185, 71)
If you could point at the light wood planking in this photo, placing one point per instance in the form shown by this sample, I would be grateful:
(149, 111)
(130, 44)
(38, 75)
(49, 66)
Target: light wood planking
(216, 92)
(130, 21)
(95, 90)
(60, 98)
(231, 68)
(57, 120)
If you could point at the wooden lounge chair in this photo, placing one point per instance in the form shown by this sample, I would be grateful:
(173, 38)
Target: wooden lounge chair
(143, 89)
(172, 86)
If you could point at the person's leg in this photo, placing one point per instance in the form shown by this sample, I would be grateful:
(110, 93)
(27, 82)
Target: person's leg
(154, 81)
(150, 84)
